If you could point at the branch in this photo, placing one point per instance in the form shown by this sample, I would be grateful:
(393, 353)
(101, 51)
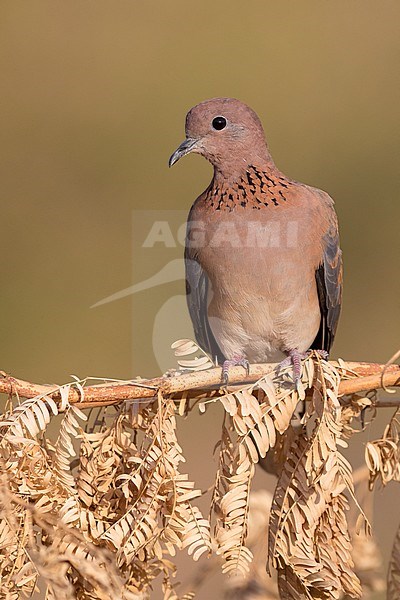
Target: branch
(362, 377)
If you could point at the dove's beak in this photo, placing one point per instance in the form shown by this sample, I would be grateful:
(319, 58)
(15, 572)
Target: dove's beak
(187, 146)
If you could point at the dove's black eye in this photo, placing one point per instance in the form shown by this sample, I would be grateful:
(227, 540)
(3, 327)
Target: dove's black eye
(219, 123)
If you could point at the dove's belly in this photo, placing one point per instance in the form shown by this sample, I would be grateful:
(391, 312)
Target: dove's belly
(261, 328)
(262, 303)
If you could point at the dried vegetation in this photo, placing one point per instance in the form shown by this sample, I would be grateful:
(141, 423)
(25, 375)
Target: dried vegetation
(100, 511)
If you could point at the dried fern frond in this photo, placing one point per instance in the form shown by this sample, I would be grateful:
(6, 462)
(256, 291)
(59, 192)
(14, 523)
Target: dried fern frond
(64, 450)
(358, 412)
(309, 538)
(128, 496)
(58, 549)
(383, 456)
(185, 347)
(151, 494)
(231, 501)
(255, 584)
(109, 494)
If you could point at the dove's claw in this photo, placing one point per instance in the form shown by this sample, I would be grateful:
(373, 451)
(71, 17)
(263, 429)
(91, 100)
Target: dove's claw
(236, 361)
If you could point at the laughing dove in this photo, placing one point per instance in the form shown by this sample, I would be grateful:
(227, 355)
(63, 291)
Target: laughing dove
(263, 263)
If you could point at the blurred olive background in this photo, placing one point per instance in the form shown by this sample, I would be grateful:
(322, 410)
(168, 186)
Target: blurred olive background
(93, 101)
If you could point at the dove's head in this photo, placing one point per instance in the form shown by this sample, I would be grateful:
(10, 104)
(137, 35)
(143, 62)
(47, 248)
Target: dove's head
(226, 132)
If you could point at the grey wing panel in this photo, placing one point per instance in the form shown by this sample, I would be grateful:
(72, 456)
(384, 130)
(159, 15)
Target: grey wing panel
(329, 279)
(197, 285)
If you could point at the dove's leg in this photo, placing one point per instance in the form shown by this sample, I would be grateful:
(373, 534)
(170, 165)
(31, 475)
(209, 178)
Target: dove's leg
(236, 361)
(295, 357)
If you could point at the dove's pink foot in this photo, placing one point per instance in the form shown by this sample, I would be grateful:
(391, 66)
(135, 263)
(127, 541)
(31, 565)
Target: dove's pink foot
(236, 361)
(295, 357)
